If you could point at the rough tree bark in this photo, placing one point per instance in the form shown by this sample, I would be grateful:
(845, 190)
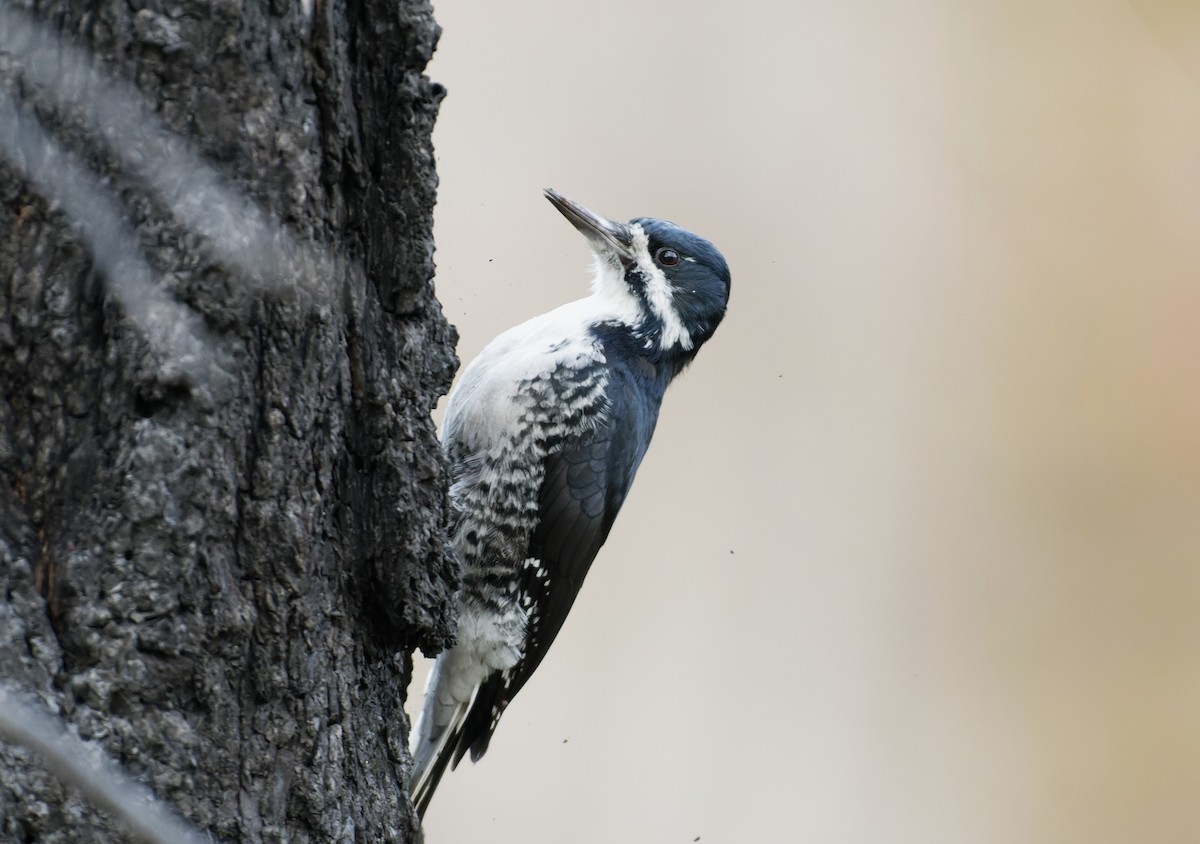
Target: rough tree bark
(218, 570)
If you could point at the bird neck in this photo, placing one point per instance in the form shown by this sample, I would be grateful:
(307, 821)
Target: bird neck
(639, 347)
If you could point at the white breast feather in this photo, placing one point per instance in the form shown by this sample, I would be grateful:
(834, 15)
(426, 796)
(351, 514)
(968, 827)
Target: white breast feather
(483, 407)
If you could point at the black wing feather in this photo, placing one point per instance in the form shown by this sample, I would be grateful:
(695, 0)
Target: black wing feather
(585, 483)
(584, 488)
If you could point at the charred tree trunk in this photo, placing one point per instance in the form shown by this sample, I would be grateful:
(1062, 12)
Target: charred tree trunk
(222, 506)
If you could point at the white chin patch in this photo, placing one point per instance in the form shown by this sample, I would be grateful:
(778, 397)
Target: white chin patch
(609, 287)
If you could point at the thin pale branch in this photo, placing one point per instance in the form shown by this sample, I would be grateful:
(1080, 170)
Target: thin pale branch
(83, 766)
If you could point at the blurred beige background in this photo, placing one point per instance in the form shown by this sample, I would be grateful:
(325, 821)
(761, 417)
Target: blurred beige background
(915, 556)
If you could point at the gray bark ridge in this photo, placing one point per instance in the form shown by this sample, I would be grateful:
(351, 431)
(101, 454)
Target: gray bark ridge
(222, 501)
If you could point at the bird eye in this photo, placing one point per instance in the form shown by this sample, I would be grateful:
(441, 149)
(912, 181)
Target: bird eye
(667, 257)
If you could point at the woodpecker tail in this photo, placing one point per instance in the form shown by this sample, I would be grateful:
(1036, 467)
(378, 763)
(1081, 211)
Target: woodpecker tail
(464, 696)
(458, 716)
(434, 736)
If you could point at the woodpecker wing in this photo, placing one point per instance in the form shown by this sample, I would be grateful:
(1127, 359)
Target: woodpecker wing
(585, 483)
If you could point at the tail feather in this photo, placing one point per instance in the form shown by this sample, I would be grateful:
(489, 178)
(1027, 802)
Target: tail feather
(468, 729)
(429, 777)
(432, 746)
(466, 691)
(481, 718)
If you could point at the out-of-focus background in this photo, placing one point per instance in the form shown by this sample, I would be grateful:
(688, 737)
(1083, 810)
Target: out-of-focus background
(915, 556)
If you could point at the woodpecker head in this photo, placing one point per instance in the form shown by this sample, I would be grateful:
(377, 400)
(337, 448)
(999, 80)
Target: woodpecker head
(670, 285)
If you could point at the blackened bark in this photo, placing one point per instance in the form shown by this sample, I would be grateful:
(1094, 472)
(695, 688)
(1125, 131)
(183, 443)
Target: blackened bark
(217, 567)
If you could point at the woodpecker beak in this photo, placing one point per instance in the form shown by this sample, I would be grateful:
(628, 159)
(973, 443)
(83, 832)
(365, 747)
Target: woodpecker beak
(605, 235)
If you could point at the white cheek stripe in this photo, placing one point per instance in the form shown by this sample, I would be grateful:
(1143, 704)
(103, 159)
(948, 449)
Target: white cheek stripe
(660, 295)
